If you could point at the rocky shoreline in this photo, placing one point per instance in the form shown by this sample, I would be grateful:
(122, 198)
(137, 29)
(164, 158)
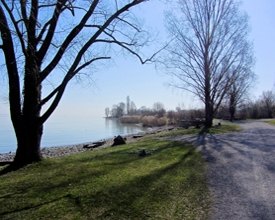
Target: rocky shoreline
(51, 152)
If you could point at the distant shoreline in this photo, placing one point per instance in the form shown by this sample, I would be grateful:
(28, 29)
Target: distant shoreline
(59, 151)
(63, 131)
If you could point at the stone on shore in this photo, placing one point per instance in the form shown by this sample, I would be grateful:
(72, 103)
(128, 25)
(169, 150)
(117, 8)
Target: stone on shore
(118, 141)
(94, 144)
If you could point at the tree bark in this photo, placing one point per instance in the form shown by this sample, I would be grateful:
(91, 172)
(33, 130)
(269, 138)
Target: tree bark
(29, 131)
(208, 114)
(232, 113)
(207, 91)
(28, 143)
(232, 107)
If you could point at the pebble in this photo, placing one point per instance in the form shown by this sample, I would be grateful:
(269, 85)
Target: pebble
(51, 152)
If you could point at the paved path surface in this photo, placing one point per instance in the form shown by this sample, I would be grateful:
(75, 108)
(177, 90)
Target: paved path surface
(241, 171)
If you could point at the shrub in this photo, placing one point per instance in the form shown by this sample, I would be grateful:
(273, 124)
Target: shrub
(162, 121)
(152, 121)
(130, 119)
(147, 121)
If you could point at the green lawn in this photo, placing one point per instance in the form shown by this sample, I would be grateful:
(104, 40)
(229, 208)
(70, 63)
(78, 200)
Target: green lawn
(224, 128)
(271, 122)
(111, 184)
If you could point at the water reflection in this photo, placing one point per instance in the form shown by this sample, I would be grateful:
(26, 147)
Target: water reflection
(116, 127)
(67, 130)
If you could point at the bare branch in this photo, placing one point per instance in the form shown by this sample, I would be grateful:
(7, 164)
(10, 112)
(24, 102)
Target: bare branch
(209, 49)
(47, 6)
(44, 28)
(88, 63)
(15, 24)
(127, 45)
(71, 71)
(24, 12)
(128, 23)
(53, 22)
(61, 88)
(14, 82)
(66, 42)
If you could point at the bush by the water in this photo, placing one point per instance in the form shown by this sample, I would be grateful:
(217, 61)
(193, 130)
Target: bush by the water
(153, 121)
(147, 121)
(131, 119)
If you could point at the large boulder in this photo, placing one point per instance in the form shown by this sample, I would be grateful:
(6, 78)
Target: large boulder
(118, 141)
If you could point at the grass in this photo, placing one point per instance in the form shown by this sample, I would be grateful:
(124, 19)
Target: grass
(224, 128)
(111, 184)
(271, 122)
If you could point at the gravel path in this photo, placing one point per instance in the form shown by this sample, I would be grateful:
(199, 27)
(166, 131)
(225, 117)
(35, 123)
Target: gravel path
(241, 171)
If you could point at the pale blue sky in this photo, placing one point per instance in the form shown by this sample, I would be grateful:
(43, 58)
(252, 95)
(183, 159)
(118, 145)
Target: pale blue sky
(145, 86)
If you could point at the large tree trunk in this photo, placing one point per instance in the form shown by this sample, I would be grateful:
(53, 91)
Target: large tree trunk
(232, 110)
(28, 143)
(270, 113)
(207, 90)
(232, 106)
(208, 114)
(29, 130)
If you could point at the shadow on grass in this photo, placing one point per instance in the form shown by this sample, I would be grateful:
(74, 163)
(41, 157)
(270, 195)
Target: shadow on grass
(139, 196)
(10, 167)
(35, 206)
(204, 130)
(146, 195)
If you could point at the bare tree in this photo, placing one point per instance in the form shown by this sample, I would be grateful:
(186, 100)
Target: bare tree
(114, 111)
(41, 39)
(157, 106)
(107, 112)
(133, 108)
(209, 48)
(128, 105)
(268, 102)
(239, 88)
(121, 109)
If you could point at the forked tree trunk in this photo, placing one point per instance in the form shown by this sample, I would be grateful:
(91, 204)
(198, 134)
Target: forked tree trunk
(29, 130)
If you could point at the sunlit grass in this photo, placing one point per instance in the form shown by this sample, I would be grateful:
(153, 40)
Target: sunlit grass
(111, 184)
(271, 122)
(224, 128)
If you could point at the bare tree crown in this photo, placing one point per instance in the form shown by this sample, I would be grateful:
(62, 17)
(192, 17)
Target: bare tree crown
(209, 50)
(66, 36)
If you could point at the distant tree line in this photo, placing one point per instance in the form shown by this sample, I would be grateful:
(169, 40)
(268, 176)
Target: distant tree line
(263, 107)
(244, 108)
(130, 108)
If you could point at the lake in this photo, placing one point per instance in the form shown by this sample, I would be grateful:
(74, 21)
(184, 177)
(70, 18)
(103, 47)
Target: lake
(68, 130)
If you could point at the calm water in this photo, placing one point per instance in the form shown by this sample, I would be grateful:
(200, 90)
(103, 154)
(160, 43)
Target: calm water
(68, 130)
